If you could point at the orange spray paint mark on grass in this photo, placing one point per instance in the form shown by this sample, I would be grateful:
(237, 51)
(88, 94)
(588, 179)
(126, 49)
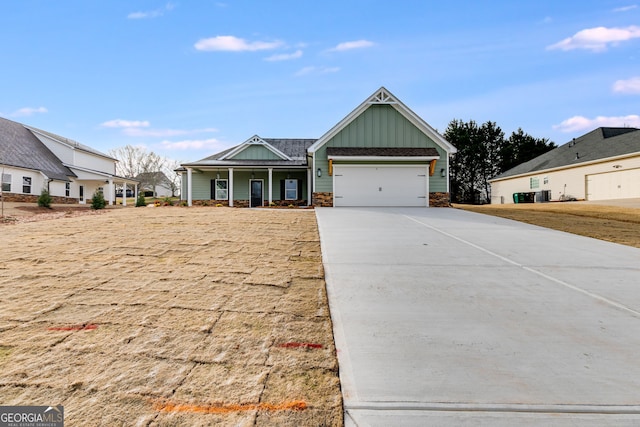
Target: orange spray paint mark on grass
(87, 327)
(300, 344)
(163, 406)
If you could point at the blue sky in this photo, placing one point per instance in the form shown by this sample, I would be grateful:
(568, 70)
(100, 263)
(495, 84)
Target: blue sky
(186, 79)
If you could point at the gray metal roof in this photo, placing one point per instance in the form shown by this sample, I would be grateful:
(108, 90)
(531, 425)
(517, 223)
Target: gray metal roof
(294, 148)
(20, 148)
(600, 143)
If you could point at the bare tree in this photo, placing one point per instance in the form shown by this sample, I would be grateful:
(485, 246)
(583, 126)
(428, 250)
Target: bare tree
(132, 161)
(174, 178)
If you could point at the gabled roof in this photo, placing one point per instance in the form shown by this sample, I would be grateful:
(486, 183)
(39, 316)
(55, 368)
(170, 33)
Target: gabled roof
(293, 153)
(68, 142)
(19, 147)
(601, 143)
(254, 141)
(384, 97)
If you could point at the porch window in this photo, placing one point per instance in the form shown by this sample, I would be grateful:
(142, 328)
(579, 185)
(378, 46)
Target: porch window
(6, 182)
(222, 189)
(26, 184)
(290, 189)
(67, 188)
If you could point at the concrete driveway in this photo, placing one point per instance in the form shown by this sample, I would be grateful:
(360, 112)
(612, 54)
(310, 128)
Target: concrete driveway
(446, 317)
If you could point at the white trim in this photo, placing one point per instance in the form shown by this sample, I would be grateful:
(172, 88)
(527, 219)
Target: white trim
(255, 140)
(383, 96)
(189, 187)
(383, 159)
(74, 145)
(270, 186)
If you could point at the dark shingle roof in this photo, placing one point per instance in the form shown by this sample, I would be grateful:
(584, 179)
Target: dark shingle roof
(600, 143)
(19, 147)
(382, 152)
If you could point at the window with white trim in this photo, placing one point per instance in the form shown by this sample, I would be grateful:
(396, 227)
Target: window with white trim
(67, 188)
(222, 189)
(6, 182)
(26, 184)
(534, 182)
(290, 189)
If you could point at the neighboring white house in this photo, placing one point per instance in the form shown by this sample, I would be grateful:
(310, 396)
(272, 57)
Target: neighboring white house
(156, 183)
(600, 165)
(33, 159)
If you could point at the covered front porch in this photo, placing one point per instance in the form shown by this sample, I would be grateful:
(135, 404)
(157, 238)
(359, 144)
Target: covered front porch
(90, 181)
(248, 186)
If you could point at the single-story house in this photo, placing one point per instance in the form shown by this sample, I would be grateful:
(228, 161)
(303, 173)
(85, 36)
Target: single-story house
(156, 183)
(381, 154)
(32, 160)
(600, 165)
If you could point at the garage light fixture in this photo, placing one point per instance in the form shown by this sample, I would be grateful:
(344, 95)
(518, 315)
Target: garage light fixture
(319, 172)
(443, 173)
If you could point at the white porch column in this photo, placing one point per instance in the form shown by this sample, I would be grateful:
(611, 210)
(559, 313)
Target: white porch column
(124, 194)
(135, 193)
(230, 192)
(112, 191)
(270, 185)
(189, 191)
(309, 188)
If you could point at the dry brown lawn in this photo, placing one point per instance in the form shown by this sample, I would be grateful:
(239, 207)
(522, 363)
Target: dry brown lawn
(168, 316)
(610, 223)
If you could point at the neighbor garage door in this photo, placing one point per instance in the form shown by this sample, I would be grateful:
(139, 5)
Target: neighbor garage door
(614, 185)
(356, 185)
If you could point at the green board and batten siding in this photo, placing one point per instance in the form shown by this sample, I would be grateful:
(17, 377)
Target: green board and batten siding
(256, 152)
(379, 126)
(202, 183)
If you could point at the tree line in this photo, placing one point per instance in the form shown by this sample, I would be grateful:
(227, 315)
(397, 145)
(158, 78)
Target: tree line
(483, 153)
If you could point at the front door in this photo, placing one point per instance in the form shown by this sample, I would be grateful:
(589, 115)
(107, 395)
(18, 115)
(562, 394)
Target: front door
(256, 193)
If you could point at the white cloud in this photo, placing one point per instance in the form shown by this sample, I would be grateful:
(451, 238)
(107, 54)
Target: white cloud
(152, 13)
(597, 39)
(127, 124)
(191, 144)
(142, 128)
(285, 56)
(580, 123)
(316, 70)
(358, 44)
(625, 8)
(631, 85)
(234, 44)
(28, 111)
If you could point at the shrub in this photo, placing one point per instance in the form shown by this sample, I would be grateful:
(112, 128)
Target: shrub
(140, 200)
(98, 201)
(45, 199)
(167, 201)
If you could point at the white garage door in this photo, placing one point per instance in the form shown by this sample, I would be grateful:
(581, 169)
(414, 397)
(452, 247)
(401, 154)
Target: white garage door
(380, 185)
(614, 185)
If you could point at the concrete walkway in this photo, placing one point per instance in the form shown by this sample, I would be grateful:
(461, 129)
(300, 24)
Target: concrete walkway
(446, 317)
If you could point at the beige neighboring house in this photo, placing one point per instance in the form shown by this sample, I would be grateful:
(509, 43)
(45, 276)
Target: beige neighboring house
(32, 159)
(603, 164)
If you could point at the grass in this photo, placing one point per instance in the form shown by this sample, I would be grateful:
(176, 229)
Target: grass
(614, 224)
